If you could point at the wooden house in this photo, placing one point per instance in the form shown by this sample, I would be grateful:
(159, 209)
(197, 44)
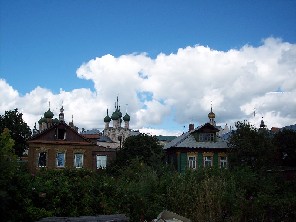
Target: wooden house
(58, 146)
(197, 148)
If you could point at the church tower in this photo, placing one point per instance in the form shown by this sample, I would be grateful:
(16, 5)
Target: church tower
(107, 120)
(117, 133)
(46, 121)
(262, 124)
(212, 116)
(126, 120)
(61, 115)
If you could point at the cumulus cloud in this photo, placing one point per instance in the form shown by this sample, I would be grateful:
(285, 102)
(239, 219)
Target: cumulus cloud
(277, 108)
(163, 132)
(183, 84)
(8, 96)
(194, 77)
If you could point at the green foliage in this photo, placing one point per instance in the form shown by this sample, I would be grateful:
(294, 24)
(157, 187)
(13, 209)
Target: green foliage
(143, 147)
(20, 131)
(141, 192)
(8, 168)
(251, 147)
(285, 142)
(141, 187)
(7, 155)
(65, 193)
(13, 181)
(8, 164)
(205, 195)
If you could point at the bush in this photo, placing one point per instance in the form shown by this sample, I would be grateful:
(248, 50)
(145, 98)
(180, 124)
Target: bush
(141, 192)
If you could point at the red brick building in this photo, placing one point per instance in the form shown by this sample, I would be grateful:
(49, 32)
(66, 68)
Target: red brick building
(58, 145)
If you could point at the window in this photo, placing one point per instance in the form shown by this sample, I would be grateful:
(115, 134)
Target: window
(192, 162)
(101, 162)
(206, 137)
(42, 159)
(78, 160)
(60, 160)
(207, 161)
(223, 162)
(61, 134)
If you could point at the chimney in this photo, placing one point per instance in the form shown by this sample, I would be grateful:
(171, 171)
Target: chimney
(191, 126)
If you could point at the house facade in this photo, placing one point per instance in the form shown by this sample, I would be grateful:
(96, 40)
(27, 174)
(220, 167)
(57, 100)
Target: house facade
(57, 145)
(199, 147)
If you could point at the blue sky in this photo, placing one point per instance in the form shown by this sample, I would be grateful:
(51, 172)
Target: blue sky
(44, 43)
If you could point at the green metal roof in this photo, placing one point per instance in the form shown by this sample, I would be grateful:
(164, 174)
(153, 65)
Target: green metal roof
(48, 114)
(107, 119)
(126, 117)
(115, 116)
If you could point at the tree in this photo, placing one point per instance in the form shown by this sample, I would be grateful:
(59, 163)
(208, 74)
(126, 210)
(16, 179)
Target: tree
(19, 130)
(143, 147)
(285, 141)
(251, 147)
(7, 157)
(8, 168)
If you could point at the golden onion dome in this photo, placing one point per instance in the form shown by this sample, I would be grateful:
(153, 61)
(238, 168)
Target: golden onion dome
(211, 115)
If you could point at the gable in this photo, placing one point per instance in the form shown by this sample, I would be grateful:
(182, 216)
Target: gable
(205, 133)
(192, 139)
(207, 128)
(59, 132)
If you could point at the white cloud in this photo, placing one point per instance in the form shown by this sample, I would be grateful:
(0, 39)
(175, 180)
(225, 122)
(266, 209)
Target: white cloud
(182, 84)
(8, 96)
(153, 113)
(277, 108)
(162, 132)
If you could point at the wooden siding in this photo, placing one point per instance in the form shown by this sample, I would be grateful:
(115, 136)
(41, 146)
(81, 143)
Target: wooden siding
(215, 160)
(73, 143)
(200, 159)
(181, 160)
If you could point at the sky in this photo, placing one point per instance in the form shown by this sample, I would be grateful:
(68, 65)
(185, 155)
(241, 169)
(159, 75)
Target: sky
(168, 61)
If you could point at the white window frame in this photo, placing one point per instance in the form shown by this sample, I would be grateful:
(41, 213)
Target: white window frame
(64, 159)
(192, 162)
(75, 160)
(208, 159)
(223, 162)
(101, 161)
(45, 159)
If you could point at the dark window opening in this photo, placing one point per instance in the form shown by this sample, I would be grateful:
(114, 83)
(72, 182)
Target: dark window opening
(61, 134)
(42, 159)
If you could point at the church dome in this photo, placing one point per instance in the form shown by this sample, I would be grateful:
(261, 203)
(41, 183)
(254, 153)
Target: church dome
(119, 113)
(48, 114)
(107, 119)
(114, 116)
(56, 121)
(211, 115)
(126, 117)
(42, 120)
